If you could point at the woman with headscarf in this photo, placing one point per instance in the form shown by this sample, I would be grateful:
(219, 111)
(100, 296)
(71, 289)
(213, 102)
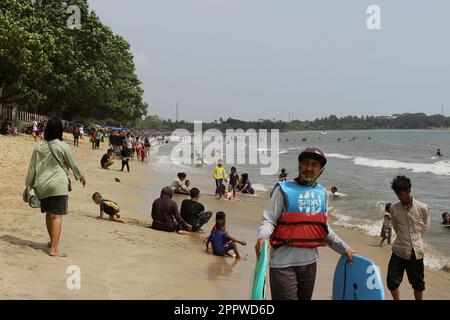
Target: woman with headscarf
(166, 216)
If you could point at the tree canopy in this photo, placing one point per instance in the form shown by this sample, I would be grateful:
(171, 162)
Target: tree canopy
(401, 121)
(48, 68)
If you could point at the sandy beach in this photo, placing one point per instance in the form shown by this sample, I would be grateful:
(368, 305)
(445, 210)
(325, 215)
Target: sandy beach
(132, 261)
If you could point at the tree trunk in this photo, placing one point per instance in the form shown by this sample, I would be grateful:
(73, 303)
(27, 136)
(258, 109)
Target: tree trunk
(1, 95)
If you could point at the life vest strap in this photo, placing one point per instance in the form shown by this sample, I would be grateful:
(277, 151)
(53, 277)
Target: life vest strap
(282, 242)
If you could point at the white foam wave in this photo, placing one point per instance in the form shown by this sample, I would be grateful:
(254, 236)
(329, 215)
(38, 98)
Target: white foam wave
(266, 149)
(441, 168)
(283, 152)
(338, 195)
(371, 228)
(338, 156)
(433, 259)
(167, 161)
(259, 187)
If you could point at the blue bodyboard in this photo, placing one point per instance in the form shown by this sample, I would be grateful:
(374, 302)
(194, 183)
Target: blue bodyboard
(360, 280)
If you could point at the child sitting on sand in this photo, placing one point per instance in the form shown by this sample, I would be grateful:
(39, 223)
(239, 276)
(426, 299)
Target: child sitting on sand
(109, 207)
(179, 184)
(225, 194)
(386, 229)
(221, 241)
(187, 184)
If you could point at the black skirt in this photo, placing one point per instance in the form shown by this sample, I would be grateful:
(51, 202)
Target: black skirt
(55, 205)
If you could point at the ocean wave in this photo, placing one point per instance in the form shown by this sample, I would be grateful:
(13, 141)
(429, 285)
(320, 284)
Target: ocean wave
(441, 168)
(168, 162)
(433, 259)
(265, 149)
(259, 187)
(372, 228)
(338, 195)
(338, 156)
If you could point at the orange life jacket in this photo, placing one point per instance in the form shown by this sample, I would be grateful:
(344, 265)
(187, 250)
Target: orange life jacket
(304, 224)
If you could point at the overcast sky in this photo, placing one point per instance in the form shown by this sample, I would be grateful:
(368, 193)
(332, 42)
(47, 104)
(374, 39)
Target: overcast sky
(252, 59)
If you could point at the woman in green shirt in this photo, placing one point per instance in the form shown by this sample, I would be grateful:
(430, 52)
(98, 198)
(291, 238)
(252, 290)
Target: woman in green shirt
(48, 175)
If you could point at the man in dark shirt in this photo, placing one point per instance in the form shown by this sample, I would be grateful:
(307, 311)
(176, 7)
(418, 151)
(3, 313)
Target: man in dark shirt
(107, 159)
(166, 216)
(193, 212)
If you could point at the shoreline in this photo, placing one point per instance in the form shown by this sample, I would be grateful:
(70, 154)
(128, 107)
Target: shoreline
(131, 261)
(245, 227)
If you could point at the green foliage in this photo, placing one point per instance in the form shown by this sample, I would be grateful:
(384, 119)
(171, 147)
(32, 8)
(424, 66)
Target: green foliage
(76, 74)
(403, 121)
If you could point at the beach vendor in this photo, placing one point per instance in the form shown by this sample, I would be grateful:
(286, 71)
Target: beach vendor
(295, 221)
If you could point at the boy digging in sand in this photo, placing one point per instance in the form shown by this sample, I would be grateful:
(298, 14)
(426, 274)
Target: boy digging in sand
(107, 206)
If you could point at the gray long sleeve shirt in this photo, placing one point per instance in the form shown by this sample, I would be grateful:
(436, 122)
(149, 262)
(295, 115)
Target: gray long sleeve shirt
(287, 256)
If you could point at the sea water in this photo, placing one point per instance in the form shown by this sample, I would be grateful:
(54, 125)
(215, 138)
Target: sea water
(361, 165)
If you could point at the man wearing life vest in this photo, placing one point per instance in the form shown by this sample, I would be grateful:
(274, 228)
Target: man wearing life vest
(295, 221)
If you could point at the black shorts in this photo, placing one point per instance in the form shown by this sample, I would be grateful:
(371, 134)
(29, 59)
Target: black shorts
(55, 205)
(414, 270)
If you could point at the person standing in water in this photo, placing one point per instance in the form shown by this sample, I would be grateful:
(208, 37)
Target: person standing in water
(220, 176)
(446, 218)
(234, 181)
(386, 229)
(295, 221)
(283, 175)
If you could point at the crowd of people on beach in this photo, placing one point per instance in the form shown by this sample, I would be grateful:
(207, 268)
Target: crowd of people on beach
(235, 184)
(48, 183)
(294, 220)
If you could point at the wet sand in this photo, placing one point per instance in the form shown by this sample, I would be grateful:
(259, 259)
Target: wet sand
(131, 261)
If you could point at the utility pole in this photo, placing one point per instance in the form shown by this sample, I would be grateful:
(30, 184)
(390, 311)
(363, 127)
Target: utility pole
(177, 112)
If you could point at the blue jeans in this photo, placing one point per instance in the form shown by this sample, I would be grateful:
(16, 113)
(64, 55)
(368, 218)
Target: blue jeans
(218, 184)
